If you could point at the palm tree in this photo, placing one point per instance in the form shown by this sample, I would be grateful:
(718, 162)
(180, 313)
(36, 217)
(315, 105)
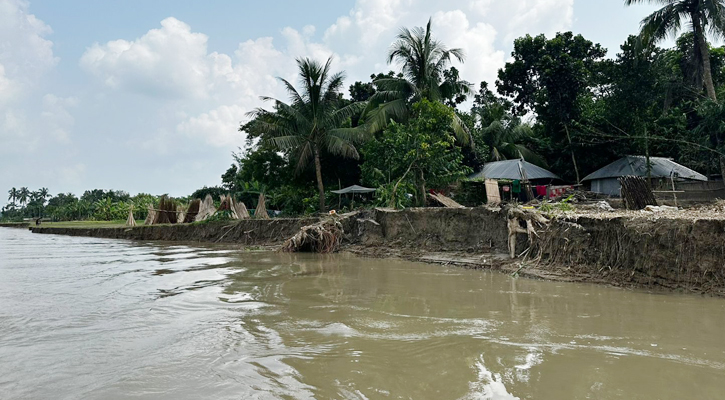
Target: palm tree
(503, 133)
(423, 60)
(312, 122)
(43, 194)
(13, 195)
(704, 16)
(23, 195)
(505, 136)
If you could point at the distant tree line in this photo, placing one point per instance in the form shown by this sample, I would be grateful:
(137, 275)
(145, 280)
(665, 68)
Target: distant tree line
(96, 204)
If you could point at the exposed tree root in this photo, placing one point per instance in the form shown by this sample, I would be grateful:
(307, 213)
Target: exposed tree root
(322, 237)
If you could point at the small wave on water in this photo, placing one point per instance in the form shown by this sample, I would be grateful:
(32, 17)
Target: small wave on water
(85, 318)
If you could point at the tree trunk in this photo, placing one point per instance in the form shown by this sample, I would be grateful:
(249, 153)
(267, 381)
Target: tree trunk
(421, 189)
(720, 148)
(392, 202)
(704, 50)
(573, 159)
(318, 172)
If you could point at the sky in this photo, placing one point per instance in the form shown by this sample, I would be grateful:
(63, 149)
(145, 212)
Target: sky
(147, 96)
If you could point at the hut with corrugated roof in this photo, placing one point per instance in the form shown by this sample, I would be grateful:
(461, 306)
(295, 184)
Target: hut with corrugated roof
(606, 179)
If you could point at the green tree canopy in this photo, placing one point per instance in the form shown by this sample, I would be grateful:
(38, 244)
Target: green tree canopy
(554, 78)
(421, 153)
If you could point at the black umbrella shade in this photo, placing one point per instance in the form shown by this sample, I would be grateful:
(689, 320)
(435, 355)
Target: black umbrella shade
(354, 189)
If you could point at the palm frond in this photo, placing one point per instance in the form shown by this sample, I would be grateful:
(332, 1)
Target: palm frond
(460, 130)
(378, 118)
(287, 142)
(340, 147)
(358, 134)
(663, 23)
(304, 154)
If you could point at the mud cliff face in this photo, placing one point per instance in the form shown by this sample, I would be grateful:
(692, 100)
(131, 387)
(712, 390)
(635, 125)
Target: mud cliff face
(671, 253)
(434, 229)
(246, 232)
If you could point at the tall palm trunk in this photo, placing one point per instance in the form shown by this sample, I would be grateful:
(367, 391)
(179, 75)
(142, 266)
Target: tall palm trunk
(318, 173)
(704, 50)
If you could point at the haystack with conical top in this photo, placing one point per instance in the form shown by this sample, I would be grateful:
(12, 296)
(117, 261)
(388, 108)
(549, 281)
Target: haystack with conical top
(261, 211)
(130, 221)
(180, 214)
(166, 212)
(150, 216)
(240, 210)
(206, 209)
(192, 211)
(225, 203)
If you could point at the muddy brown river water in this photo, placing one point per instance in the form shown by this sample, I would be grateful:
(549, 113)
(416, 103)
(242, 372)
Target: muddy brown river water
(85, 318)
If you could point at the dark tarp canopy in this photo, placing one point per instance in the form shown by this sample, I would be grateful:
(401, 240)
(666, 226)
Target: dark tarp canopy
(660, 167)
(354, 189)
(511, 169)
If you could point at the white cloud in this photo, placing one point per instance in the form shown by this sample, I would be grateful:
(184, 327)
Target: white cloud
(72, 175)
(480, 6)
(8, 89)
(218, 127)
(477, 41)
(212, 92)
(483, 28)
(168, 62)
(12, 125)
(25, 54)
(56, 117)
(538, 16)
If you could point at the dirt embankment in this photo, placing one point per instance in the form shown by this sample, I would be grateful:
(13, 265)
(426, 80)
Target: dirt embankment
(672, 253)
(476, 230)
(245, 232)
(14, 225)
(684, 254)
(637, 250)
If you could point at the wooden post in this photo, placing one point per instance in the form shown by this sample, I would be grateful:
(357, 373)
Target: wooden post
(674, 194)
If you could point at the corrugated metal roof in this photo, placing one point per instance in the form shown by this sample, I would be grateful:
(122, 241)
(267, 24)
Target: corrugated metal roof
(661, 167)
(509, 169)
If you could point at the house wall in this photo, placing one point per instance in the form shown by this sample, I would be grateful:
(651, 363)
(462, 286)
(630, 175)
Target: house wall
(608, 186)
(694, 191)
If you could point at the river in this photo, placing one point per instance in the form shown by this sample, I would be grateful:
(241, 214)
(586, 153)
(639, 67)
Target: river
(86, 318)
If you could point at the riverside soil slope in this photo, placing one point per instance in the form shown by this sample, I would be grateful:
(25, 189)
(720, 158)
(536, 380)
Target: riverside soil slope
(681, 251)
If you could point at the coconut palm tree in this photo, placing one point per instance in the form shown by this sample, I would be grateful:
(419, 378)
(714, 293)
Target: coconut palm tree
(23, 195)
(13, 195)
(702, 16)
(43, 194)
(311, 123)
(423, 60)
(505, 139)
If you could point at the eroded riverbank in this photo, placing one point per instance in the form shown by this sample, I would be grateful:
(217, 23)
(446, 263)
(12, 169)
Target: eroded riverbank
(670, 252)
